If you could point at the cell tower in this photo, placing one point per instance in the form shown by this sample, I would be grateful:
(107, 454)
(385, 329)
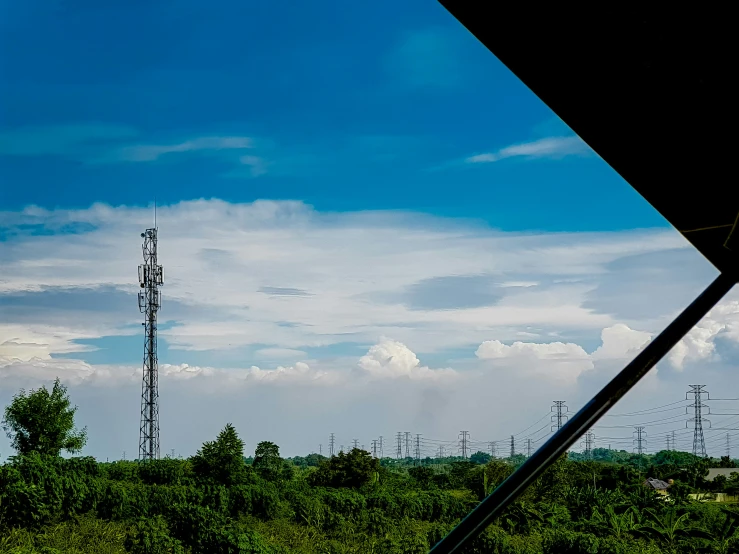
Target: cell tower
(699, 443)
(151, 277)
(560, 417)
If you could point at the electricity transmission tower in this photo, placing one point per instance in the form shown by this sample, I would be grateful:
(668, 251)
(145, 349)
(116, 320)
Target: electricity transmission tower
(399, 453)
(728, 446)
(418, 449)
(513, 446)
(559, 418)
(355, 443)
(699, 443)
(528, 448)
(407, 444)
(589, 441)
(381, 452)
(465, 435)
(673, 441)
(492, 446)
(151, 277)
(331, 446)
(374, 448)
(640, 439)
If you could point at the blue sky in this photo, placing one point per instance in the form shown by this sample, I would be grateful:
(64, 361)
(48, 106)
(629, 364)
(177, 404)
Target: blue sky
(367, 223)
(339, 115)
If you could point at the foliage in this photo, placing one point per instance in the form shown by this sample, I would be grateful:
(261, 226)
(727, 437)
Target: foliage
(218, 502)
(221, 461)
(353, 469)
(42, 421)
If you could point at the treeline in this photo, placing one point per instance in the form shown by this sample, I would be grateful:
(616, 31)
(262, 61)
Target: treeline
(215, 502)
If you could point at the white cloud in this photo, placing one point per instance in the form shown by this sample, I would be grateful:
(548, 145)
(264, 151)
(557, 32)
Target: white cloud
(700, 343)
(550, 147)
(152, 152)
(278, 279)
(620, 342)
(557, 361)
(393, 359)
(348, 275)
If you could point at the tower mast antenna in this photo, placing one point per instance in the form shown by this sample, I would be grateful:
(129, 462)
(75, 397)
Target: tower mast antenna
(151, 277)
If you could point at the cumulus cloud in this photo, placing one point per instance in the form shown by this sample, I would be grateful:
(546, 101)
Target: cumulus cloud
(700, 343)
(393, 359)
(555, 360)
(299, 299)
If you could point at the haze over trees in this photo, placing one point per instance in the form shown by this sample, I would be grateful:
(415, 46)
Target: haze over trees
(218, 501)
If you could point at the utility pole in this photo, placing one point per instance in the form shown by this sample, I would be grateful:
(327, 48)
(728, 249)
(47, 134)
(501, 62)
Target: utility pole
(528, 448)
(151, 277)
(699, 443)
(513, 446)
(641, 438)
(559, 418)
(331, 446)
(418, 449)
(463, 442)
(407, 444)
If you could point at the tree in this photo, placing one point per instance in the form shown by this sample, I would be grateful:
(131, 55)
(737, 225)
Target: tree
(267, 461)
(221, 461)
(353, 469)
(43, 422)
(480, 458)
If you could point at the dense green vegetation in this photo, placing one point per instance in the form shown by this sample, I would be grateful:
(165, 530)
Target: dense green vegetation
(219, 502)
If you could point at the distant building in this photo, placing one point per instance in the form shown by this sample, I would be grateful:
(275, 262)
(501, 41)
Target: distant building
(657, 484)
(725, 471)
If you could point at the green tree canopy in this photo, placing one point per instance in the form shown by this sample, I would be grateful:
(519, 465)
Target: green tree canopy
(353, 469)
(267, 461)
(42, 421)
(222, 460)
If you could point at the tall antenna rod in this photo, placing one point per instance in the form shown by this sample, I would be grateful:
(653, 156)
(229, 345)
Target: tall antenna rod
(151, 277)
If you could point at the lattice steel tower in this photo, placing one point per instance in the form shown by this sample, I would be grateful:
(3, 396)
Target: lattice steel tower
(699, 443)
(151, 277)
